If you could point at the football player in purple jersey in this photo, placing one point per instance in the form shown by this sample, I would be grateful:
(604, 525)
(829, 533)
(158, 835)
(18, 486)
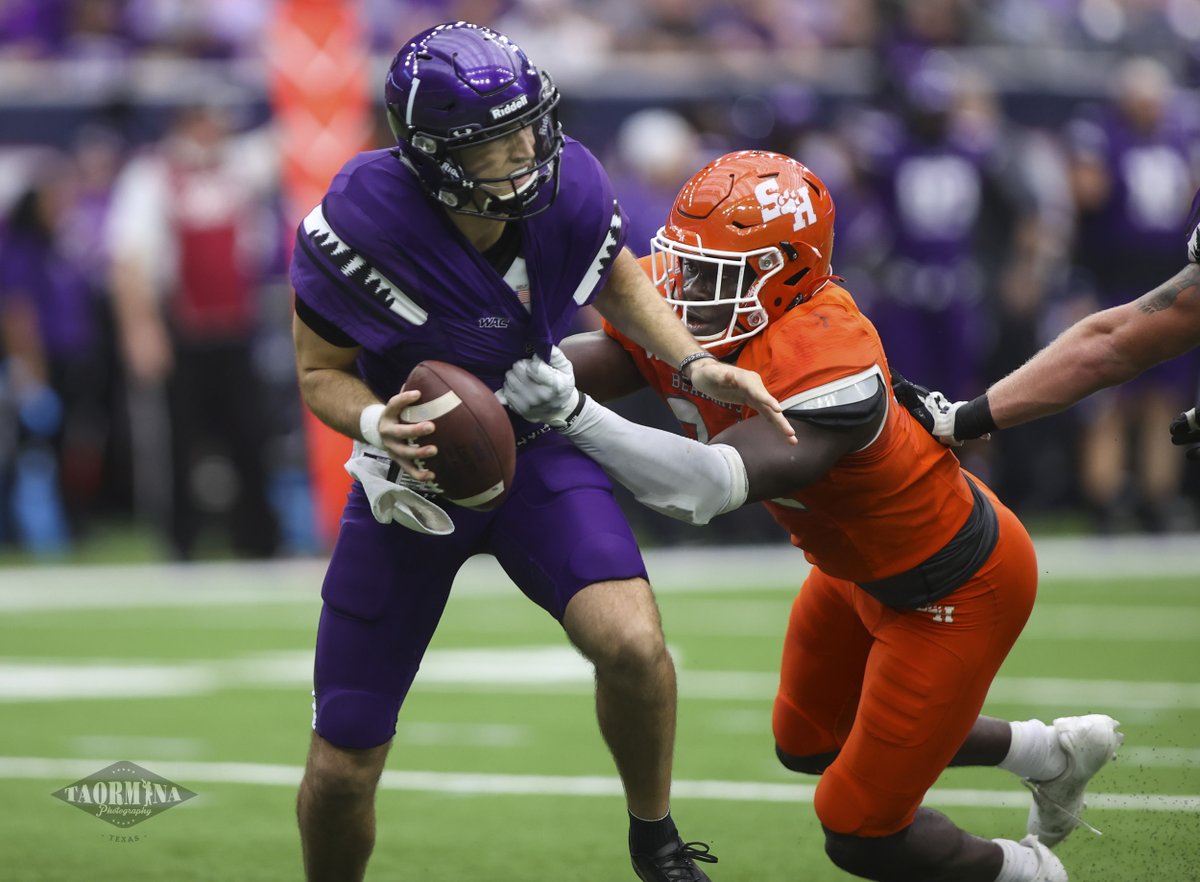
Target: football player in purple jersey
(476, 240)
(1104, 349)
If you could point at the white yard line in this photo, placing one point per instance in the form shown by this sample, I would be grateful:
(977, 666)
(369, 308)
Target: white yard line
(682, 570)
(514, 670)
(190, 774)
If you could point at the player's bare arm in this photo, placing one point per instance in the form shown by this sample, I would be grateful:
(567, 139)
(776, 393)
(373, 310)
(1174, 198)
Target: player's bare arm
(776, 468)
(1181, 296)
(337, 396)
(1105, 349)
(603, 369)
(630, 301)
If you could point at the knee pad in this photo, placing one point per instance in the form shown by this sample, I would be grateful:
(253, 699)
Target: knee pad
(848, 806)
(355, 720)
(808, 765)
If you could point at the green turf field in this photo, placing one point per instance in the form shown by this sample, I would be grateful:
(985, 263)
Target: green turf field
(201, 675)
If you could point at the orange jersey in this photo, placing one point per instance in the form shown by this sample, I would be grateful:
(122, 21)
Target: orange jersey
(877, 512)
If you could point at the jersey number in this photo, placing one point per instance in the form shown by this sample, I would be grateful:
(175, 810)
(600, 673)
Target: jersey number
(688, 414)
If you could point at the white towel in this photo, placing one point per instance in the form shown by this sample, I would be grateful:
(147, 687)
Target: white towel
(393, 503)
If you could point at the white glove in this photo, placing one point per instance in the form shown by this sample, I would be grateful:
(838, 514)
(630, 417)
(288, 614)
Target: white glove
(541, 392)
(943, 411)
(393, 502)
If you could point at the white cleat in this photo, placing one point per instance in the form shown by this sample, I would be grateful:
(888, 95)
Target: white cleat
(1050, 868)
(1089, 742)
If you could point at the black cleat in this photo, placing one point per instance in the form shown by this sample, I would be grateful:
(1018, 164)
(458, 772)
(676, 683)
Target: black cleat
(674, 862)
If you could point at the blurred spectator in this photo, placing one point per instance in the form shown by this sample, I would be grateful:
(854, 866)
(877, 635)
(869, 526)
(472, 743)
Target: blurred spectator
(54, 367)
(950, 214)
(860, 232)
(33, 28)
(655, 151)
(918, 28)
(76, 29)
(567, 37)
(185, 244)
(1024, 255)
(1132, 171)
(98, 152)
(662, 25)
(212, 29)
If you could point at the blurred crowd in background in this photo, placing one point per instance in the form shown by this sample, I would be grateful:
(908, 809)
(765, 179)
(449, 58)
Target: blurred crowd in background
(999, 168)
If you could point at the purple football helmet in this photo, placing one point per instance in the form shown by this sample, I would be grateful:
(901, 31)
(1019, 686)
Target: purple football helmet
(460, 84)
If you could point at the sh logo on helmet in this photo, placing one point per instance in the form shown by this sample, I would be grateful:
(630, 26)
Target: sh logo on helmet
(774, 203)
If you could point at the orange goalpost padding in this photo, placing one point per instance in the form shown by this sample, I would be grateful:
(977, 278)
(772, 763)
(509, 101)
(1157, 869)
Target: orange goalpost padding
(318, 64)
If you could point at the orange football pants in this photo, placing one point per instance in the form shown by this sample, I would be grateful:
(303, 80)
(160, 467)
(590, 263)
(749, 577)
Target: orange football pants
(896, 691)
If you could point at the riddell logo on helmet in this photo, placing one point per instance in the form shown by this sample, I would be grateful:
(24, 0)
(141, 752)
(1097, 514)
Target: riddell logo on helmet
(511, 107)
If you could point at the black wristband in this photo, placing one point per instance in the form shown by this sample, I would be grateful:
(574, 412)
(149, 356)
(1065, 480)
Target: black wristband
(694, 357)
(974, 419)
(574, 414)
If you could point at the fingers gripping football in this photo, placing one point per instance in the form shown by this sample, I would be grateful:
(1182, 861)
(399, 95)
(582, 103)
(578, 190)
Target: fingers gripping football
(542, 392)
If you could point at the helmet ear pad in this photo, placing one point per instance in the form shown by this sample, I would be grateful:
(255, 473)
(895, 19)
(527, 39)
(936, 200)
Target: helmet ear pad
(457, 85)
(764, 214)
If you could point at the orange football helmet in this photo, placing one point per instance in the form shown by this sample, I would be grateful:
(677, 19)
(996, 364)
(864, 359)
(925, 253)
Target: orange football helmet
(749, 236)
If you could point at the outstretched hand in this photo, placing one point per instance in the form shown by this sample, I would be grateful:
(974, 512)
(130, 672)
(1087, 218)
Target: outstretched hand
(735, 385)
(912, 398)
(933, 410)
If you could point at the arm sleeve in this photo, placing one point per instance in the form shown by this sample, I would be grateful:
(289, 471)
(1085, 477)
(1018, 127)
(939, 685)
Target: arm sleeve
(668, 473)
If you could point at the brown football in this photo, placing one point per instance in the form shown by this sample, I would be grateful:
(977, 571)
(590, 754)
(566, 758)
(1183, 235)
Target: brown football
(477, 452)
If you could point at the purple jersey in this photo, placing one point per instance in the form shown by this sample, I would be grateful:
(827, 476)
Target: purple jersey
(34, 271)
(928, 311)
(1131, 241)
(381, 261)
(934, 200)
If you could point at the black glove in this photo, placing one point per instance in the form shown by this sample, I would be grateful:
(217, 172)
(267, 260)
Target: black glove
(951, 422)
(912, 397)
(1186, 432)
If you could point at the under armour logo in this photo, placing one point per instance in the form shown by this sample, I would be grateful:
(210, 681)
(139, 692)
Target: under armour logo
(776, 202)
(940, 613)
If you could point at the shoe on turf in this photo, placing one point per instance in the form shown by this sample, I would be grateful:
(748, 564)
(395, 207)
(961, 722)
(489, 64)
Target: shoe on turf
(1089, 742)
(674, 862)
(1050, 868)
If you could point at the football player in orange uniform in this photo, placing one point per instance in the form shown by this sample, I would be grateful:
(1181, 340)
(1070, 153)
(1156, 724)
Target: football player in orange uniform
(921, 579)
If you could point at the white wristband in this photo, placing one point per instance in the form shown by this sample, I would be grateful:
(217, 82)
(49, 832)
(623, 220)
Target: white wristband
(368, 424)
